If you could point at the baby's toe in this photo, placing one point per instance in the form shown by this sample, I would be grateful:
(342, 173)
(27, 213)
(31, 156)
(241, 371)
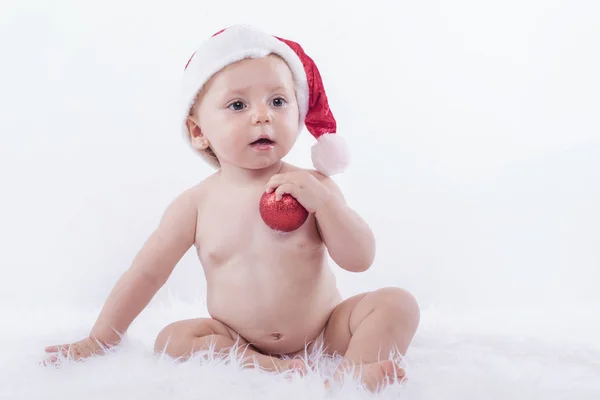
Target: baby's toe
(392, 369)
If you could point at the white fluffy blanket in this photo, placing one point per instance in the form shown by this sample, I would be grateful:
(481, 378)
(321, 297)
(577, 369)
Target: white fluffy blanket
(497, 354)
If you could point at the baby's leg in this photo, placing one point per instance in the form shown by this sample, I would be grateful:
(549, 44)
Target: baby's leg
(182, 339)
(369, 328)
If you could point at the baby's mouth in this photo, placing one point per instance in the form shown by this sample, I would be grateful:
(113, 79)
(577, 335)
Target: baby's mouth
(262, 142)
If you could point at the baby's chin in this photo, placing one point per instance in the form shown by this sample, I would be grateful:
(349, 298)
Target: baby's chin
(256, 164)
(266, 159)
(264, 165)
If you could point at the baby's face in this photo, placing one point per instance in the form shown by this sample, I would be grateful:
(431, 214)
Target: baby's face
(245, 101)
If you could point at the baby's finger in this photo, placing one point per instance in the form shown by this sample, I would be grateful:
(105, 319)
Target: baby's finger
(277, 180)
(65, 351)
(272, 185)
(62, 352)
(49, 361)
(56, 348)
(288, 188)
(75, 352)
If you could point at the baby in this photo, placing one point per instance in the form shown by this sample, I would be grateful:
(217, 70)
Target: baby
(271, 295)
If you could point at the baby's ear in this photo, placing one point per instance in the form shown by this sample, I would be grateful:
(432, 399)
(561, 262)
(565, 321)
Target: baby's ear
(197, 138)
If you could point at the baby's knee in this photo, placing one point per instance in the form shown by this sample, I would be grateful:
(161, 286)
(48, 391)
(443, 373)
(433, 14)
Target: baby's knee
(165, 336)
(177, 338)
(398, 301)
(173, 335)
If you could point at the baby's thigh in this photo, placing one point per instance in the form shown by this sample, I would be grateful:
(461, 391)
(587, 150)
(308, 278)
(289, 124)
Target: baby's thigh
(187, 330)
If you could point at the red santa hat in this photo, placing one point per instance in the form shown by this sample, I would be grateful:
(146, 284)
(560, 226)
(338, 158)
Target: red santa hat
(330, 154)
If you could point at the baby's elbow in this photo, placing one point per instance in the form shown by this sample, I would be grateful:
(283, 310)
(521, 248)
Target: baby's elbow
(357, 265)
(359, 268)
(363, 257)
(357, 259)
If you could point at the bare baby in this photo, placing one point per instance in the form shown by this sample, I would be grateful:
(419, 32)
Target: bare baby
(269, 294)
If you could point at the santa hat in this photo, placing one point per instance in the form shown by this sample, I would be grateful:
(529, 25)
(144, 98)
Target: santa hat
(330, 154)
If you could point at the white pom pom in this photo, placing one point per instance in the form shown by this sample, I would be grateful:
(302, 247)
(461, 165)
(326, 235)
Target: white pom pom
(330, 155)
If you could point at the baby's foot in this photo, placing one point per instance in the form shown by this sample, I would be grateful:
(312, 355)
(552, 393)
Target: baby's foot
(379, 374)
(293, 365)
(376, 375)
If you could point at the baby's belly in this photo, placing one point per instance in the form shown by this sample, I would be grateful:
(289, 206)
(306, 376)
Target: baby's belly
(277, 316)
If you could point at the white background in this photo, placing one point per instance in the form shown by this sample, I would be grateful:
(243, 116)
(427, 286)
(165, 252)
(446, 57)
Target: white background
(474, 129)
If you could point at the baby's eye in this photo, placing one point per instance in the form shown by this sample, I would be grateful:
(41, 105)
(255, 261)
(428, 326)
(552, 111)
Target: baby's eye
(236, 106)
(278, 102)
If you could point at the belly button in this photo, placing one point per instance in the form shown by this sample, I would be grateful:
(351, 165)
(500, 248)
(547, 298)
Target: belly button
(276, 336)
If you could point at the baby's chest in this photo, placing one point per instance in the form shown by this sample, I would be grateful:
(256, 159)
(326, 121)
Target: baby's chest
(227, 224)
(232, 229)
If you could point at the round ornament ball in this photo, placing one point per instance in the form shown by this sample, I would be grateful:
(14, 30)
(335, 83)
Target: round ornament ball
(285, 215)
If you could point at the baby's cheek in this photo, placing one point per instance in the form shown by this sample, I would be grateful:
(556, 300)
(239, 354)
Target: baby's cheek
(233, 140)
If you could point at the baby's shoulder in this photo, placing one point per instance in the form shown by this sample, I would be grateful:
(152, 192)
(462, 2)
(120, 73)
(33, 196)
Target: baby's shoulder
(194, 195)
(313, 172)
(318, 175)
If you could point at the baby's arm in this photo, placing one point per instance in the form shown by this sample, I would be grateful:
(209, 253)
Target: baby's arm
(149, 271)
(349, 239)
(150, 268)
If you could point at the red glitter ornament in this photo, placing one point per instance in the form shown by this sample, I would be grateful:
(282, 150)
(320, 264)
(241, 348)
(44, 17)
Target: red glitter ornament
(285, 215)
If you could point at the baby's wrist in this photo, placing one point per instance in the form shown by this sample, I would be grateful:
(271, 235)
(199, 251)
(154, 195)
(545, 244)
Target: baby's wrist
(104, 339)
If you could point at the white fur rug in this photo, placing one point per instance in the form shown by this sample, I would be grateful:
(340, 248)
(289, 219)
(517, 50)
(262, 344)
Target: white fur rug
(494, 354)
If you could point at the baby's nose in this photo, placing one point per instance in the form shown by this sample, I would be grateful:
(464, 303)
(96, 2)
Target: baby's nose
(261, 116)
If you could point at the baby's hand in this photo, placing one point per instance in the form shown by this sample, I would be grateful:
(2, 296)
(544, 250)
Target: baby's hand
(76, 351)
(305, 188)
